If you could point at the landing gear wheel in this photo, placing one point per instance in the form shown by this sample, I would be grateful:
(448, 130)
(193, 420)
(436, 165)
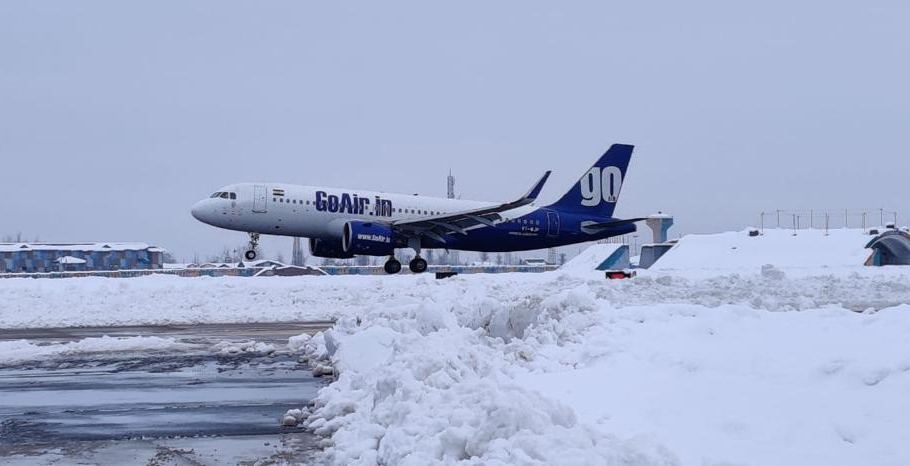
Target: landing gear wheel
(250, 254)
(392, 266)
(418, 265)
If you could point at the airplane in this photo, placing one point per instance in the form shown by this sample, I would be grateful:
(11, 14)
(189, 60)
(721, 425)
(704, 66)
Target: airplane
(344, 223)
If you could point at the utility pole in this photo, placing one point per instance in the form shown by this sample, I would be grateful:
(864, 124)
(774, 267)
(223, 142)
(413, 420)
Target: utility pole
(450, 194)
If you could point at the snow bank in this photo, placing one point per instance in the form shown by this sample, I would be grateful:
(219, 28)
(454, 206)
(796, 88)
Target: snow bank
(737, 251)
(562, 367)
(559, 369)
(419, 388)
(19, 351)
(735, 385)
(164, 300)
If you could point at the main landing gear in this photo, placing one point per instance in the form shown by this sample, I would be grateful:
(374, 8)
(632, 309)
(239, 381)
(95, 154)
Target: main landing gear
(392, 266)
(417, 265)
(250, 254)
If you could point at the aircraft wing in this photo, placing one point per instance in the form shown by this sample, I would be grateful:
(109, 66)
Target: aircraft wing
(459, 222)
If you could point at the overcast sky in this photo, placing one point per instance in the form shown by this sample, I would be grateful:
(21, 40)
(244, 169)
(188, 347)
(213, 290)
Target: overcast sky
(116, 116)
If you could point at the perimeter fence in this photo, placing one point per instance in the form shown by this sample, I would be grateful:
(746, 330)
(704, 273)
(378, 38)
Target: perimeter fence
(828, 219)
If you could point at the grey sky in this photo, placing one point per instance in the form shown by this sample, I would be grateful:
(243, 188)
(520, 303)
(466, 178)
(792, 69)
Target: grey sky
(116, 116)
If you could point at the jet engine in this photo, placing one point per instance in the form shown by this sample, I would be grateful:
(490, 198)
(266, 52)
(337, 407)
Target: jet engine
(368, 238)
(332, 249)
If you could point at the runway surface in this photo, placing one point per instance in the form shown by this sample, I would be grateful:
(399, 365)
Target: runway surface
(202, 403)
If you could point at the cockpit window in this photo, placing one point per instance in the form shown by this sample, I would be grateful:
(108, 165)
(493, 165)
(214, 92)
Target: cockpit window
(225, 196)
(218, 194)
(233, 195)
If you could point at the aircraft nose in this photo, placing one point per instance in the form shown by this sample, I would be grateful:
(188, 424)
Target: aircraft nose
(198, 211)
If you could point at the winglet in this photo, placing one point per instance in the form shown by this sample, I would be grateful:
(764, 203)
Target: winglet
(536, 189)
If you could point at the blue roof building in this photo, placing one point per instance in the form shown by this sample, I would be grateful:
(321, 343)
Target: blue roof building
(56, 257)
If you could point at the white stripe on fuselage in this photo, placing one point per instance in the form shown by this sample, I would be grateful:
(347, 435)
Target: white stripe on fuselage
(296, 213)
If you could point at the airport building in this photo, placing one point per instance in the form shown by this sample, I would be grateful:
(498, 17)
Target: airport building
(77, 257)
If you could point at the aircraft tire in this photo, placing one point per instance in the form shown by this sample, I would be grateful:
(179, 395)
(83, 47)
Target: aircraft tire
(418, 265)
(392, 266)
(250, 255)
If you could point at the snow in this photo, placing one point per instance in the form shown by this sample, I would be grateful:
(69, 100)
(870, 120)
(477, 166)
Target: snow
(70, 260)
(19, 351)
(245, 347)
(735, 385)
(762, 368)
(730, 252)
(784, 350)
(116, 246)
(588, 260)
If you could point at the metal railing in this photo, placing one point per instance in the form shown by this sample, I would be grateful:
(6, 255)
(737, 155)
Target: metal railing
(827, 219)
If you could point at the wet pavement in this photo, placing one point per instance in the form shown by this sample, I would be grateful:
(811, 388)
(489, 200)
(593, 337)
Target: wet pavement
(196, 404)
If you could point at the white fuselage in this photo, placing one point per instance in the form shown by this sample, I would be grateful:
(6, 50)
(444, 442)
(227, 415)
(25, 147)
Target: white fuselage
(315, 212)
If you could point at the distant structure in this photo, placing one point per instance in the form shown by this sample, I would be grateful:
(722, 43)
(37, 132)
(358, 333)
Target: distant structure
(890, 248)
(57, 257)
(659, 224)
(452, 256)
(650, 253)
(297, 254)
(552, 256)
(450, 192)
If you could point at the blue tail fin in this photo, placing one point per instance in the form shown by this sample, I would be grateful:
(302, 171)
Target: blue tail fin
(597, 191)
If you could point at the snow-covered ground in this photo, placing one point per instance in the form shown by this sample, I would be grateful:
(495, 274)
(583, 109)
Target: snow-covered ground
(805, 251)
(758, 369)
(801, 362)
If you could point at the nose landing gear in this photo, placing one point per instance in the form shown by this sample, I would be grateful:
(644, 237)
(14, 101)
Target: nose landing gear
(251, 253)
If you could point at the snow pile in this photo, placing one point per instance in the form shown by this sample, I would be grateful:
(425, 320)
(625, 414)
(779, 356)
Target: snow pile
(737, 251)
(298, 343)
(245, 347)
(418, 388)
(19, 351)
(559, 369)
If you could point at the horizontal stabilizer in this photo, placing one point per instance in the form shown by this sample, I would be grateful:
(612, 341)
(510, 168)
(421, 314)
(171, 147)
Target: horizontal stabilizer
(595, 227)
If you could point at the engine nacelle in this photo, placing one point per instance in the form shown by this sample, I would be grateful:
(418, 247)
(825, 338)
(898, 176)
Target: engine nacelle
(332, 249)
(368, 238)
